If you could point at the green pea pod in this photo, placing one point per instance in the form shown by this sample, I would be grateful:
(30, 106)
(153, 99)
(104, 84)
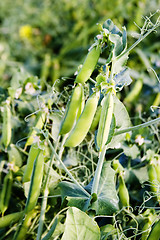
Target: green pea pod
(36, 181)
(55, 70)
(6, 126)
(6, 192)
(45, 70)
(72, 110)
(157, 167)
(88, 65)
(84, 122)
(155, 232)
(39, 125)
(9, 219)
(152, 175)
(24, 225)
(123, 192)
(146, 229)
(81, 104)
(34, 150)
(96, 119)
(117, 166)
(134, 93)
(105, 120)
(14, 155)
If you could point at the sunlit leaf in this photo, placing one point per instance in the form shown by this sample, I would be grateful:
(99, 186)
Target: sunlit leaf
(80, 226)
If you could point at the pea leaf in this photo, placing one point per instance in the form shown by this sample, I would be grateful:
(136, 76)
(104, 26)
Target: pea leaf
(79, 226)
(74, 195)
(122, 122)
(122, 79)
(109, 25)
(107, 199)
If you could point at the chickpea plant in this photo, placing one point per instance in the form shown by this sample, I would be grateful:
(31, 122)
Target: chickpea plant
(100, 116)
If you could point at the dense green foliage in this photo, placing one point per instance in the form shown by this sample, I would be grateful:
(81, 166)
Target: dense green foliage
(79, 155)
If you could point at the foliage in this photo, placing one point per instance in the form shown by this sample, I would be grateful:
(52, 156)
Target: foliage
(87, 191)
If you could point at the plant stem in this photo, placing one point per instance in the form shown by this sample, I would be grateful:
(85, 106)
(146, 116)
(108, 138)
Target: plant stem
(138, 41)
(98, 170)
(64, 167)
(42, 215)
(146, 124)
(45, 198)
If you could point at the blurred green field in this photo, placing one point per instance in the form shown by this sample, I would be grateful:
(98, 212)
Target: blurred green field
(51, 38)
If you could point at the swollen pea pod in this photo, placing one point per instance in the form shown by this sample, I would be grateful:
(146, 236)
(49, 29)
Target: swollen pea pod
(152, 175)
(72, 110)
(146, 228)
(134, 93)
(155, 232)
(84, 122)
(55, 70)
(81, 104)
(88, 65)
(33, 152)
(6, 192)
(6, 126)
(14, 155)
(9, 219)
(117, 166)
(39, 125)
(123, 192)
(157, 167)
(105, 120)
(45, 69)
(36, 181)
(24, 225)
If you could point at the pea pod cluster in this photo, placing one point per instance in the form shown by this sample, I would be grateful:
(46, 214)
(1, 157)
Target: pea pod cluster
(84, 122)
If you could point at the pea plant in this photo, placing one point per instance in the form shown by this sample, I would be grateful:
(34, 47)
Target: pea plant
(71, 186)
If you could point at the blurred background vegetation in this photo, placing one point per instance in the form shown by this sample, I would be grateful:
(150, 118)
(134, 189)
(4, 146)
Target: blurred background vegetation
(50, 39)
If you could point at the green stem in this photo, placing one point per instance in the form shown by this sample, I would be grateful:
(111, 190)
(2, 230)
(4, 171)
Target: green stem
(42, 215)
(64, 167)
(45, 198)
(137, 42)
(62, 146)
(138, 126)
(98, 170)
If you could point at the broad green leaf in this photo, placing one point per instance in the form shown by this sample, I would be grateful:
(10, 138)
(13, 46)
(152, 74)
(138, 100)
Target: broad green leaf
(118, 45)
(109, 25)
(107, 199)
(122, 122)
(74, 195)
(132, 151)
(79, 226)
